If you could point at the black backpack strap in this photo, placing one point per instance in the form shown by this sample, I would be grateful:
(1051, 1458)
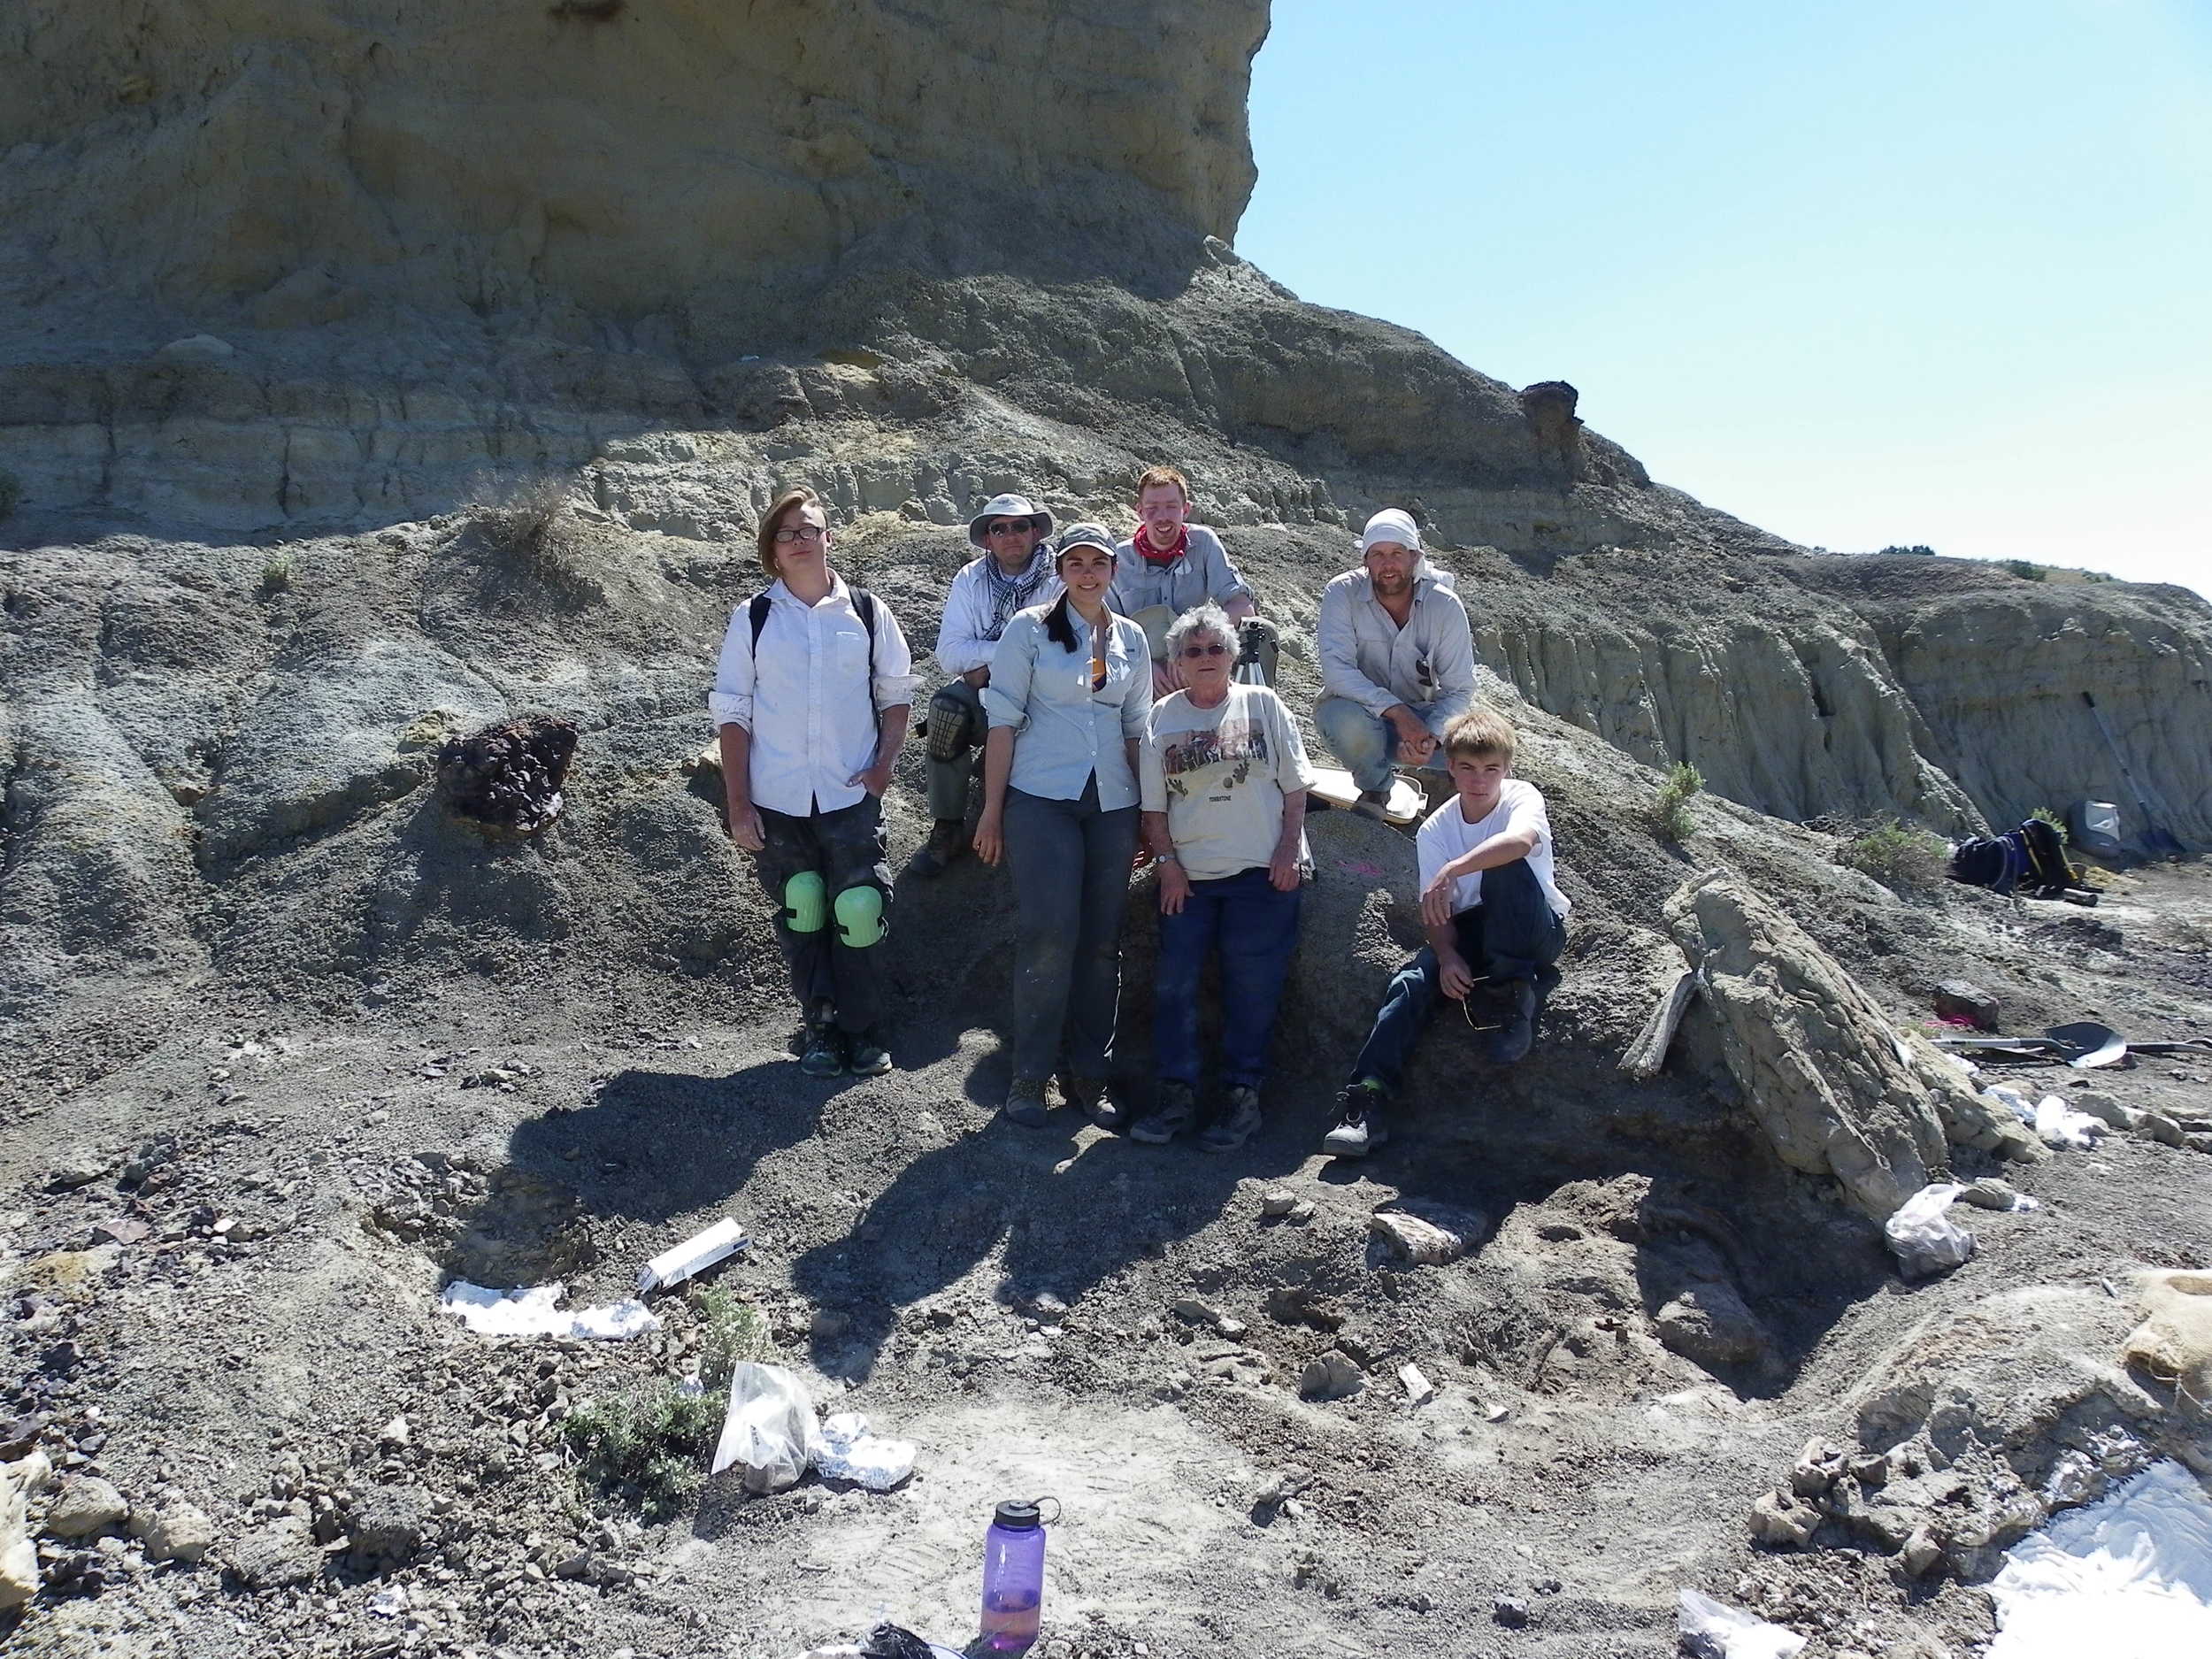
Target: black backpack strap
(758, 614)
(865, 604)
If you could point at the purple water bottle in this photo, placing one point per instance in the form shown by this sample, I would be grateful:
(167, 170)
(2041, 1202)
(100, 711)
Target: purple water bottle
(1014, 1576)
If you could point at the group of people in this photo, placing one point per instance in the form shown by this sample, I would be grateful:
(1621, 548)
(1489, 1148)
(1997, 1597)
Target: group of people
(1121, 694)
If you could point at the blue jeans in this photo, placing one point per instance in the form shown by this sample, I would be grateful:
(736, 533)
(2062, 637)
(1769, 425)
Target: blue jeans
(1071, 865)
(1366, 743)
(1255, 927)
(1512, 934)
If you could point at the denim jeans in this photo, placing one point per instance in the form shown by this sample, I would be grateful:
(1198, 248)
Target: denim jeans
(846, 847)
(1070, 866)
(1367, 743)
(1512, 934)
(1255, 926)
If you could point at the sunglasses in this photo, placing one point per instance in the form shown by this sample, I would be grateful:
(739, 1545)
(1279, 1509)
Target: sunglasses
(1215, 649)
(789, 534)
(1013, 528)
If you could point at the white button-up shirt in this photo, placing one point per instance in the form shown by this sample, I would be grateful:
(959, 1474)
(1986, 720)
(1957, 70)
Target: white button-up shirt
(806, 696)
(969, 632)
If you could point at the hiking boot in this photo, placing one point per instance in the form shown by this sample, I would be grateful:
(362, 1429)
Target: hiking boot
(947, 839)
(1373, 803)
(1359, 1127)
(825, 1052)
(1233, 1125)
(1089, 1096)
(1026, 1102)
(1510, 1041)
(1173, 1107)
(865, 1054)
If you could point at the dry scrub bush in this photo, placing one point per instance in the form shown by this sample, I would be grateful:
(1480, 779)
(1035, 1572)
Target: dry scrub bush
(1896, 857)
(1671, 812)
(530, 518)
(11, 493)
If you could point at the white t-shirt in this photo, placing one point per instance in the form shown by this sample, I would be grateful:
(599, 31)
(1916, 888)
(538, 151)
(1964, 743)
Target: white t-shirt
(1445, 833)
(1220, 775)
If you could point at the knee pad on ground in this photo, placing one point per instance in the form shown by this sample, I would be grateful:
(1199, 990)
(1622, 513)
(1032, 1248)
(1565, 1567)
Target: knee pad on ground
(806, 903)
(860, 916)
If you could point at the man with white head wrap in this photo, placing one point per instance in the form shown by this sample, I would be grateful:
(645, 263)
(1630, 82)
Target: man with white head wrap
(1397, 659)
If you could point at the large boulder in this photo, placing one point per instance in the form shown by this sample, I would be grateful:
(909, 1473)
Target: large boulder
(1836, 1091)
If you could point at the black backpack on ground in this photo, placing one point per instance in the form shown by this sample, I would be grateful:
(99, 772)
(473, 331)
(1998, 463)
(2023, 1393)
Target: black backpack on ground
(2029, 860)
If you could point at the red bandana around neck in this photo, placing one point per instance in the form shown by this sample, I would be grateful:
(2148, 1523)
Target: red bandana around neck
(1153, 555)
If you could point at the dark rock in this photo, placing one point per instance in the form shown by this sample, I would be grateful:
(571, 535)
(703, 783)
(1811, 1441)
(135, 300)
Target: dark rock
(389, 1523)
(280, 1555)
(1509, 1611)
(1962, 999)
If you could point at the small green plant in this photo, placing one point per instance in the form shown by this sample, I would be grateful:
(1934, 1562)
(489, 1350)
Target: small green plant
(1896, 856)
(1671, 812)
(11, 493)
(731, 1331)
(278, 571)
(2026, 569)
(2053, 819)
(649, 1443)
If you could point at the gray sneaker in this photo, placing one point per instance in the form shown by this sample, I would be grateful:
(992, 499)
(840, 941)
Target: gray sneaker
(1359, 1127)
(1173, 1109)
(825, 1053)
(866, 1055)
(1512, 1040)
(1235, 1124)
(1091, 1096)
(1026, 1102)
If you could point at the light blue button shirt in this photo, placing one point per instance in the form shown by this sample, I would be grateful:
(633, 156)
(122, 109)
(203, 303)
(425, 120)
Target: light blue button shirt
(1065, 730)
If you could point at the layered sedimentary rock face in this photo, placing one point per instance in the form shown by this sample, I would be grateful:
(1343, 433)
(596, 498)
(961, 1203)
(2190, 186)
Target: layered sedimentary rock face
(629, 157)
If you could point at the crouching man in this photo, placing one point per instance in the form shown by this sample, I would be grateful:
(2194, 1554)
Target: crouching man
(1397, 660)
(1493, 913)
(1170, 567)
(1013, 572)
(812, 695)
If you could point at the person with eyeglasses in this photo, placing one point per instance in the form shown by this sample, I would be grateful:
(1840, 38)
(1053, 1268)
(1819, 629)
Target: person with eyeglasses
(1222, 778)
(1071, 685)
(1171, 565)
(1013, 572)
(812, 695)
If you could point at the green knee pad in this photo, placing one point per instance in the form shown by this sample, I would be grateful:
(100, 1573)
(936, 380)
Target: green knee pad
(860, 916)
(805, 902)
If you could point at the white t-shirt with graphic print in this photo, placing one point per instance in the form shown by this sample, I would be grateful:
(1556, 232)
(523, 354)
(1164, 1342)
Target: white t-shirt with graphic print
(1220, 774)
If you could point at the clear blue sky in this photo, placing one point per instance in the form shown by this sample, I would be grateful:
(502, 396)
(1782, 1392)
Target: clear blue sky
(1862, 272)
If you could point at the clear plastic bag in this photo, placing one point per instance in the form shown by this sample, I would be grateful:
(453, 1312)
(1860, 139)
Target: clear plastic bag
(769, 1434)
(1923, 1237)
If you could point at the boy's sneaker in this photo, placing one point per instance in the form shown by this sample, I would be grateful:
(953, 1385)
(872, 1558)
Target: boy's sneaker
(1233, 1126)
(1026, 1102)
(1175, 1107)
(825, 1052)
(1511, 1040)
(1359, 1127)
(1089, 1096)
(866, 1055)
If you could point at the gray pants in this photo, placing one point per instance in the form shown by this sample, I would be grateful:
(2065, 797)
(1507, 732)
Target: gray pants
(948, 778)
(1070, 866)
(846, 849)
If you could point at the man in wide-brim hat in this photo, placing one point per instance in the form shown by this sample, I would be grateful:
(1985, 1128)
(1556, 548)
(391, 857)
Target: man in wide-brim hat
(1013, 572)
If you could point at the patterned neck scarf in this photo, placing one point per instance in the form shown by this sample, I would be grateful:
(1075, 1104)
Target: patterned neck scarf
(1009, 593)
